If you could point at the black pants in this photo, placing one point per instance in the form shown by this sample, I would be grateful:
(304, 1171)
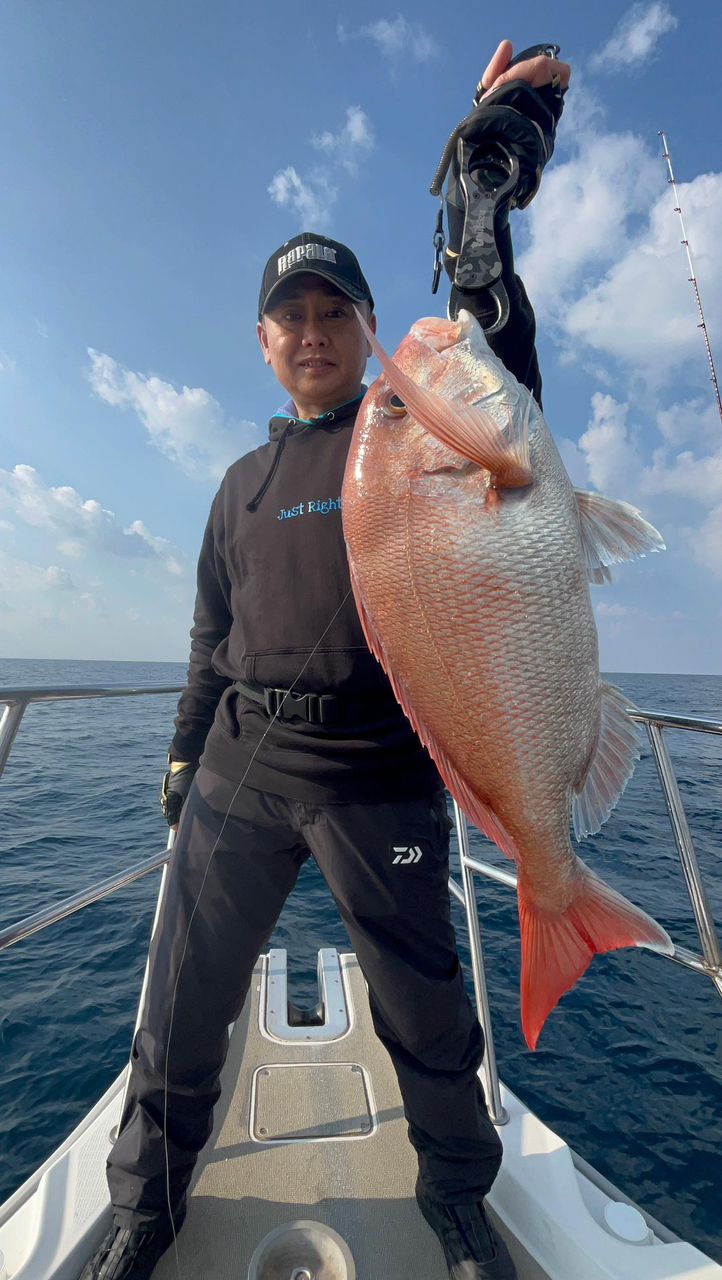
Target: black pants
(398, 918)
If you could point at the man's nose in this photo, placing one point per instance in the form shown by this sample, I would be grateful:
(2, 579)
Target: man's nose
(314, 333)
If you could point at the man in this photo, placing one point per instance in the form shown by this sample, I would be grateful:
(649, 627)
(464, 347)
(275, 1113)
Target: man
(304, 750)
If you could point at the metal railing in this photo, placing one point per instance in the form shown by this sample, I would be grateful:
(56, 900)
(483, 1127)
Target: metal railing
(708, 963)
(16, 703)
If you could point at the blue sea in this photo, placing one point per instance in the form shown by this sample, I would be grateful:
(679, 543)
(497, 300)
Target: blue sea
(628, 1070)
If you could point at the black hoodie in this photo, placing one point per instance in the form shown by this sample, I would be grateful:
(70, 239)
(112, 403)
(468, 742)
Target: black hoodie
(272, 579)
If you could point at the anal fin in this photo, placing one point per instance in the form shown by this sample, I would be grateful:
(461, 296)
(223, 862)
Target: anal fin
(611, 766)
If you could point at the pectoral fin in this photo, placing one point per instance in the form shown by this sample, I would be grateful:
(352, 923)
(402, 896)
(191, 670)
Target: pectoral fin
(611, 532)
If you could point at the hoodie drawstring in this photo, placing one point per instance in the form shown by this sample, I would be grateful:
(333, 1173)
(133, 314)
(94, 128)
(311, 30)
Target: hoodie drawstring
(255, 502)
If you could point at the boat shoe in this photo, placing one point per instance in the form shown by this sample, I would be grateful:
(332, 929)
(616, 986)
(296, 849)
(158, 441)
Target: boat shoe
(474, 1249)
(129, 1253)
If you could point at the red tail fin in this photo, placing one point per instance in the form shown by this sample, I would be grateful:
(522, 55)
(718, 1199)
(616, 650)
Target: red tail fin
(557, 949)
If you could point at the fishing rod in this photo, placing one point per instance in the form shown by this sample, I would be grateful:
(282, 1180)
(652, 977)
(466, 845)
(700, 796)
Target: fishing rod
(692, 275)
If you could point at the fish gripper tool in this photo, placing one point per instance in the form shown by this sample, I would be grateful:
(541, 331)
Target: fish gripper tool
(487, 180)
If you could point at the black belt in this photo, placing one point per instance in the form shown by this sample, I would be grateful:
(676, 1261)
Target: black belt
(314, 708)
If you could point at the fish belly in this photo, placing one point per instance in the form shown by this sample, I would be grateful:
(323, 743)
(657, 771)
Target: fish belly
(483, 615)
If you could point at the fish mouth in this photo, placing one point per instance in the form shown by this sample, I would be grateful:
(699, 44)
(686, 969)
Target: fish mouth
(437, 333)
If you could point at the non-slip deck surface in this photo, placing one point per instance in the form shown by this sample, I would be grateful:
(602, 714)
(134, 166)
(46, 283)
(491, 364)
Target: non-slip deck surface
(362, 1187)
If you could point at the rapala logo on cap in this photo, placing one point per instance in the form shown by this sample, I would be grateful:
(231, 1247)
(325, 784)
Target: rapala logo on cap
(303, 252)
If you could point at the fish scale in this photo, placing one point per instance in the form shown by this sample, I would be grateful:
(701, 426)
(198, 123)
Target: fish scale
(470, 554)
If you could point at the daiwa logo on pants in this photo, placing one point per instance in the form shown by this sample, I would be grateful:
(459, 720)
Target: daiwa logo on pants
(406, 854)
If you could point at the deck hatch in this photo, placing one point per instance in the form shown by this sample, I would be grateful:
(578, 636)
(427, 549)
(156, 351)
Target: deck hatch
(310, 1102)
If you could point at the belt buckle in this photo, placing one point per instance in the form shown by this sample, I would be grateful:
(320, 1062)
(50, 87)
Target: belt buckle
(327, 708)
(284, 704)
(314, 708)
(272, 701)
(321, 708)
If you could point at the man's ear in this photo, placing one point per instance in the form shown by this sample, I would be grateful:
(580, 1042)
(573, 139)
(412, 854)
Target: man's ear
(372, 326)
(263, 339)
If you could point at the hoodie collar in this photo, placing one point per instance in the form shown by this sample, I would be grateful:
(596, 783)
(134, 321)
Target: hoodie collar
(286, 420)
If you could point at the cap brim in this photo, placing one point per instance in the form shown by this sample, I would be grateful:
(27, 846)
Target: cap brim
(356, 295)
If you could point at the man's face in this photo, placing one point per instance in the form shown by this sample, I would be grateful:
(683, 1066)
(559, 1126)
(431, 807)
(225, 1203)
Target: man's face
(313, 342)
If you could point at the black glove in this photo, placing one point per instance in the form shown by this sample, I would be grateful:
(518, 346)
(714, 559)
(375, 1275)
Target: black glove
(499, 153)
(524, 121)
(174, 791)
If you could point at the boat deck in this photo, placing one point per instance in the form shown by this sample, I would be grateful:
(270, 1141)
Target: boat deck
(308, 1131)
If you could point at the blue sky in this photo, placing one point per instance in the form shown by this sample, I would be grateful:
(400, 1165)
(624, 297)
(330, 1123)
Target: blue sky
(156, 153)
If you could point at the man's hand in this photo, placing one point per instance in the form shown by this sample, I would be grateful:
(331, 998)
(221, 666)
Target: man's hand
(537, 72)
(176, 785)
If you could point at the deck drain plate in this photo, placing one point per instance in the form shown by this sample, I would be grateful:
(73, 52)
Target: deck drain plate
(302, 1250)
(309, 1102)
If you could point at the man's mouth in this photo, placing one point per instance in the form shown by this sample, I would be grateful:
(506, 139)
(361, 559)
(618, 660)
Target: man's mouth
(316, 364)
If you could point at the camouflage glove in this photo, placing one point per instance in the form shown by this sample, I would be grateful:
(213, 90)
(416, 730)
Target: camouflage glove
(174, 791)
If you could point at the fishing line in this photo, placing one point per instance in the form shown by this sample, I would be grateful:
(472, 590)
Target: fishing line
(192, 915)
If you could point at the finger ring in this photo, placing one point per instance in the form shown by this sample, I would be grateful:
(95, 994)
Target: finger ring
(556, 80)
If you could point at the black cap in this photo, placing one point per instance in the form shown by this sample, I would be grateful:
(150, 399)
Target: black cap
(323, 257)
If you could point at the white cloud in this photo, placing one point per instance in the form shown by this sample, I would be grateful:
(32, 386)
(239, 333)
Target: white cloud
(581, 215)
(351, 144)
(614, 464)
(395, 38)
(7, 364)
(584, 111)
(695, 419)
(161, 546)
(49, 611)
(82, 525)
(686, 475)
(603, 262)
(71, 547)
(699, 480)
(574, 461)
(188, 426)
(705, 542)
(635, 36)
(612, 461)
(643, 311)
(311, 199)
(19, 577)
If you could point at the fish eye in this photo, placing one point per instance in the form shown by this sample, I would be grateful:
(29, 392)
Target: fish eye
(395, 406)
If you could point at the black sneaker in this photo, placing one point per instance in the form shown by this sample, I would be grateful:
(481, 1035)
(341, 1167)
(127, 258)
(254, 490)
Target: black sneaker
(474, 1249)
(131, 1254)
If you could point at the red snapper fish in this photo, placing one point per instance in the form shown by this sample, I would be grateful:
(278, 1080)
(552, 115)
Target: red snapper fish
(470, 555)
